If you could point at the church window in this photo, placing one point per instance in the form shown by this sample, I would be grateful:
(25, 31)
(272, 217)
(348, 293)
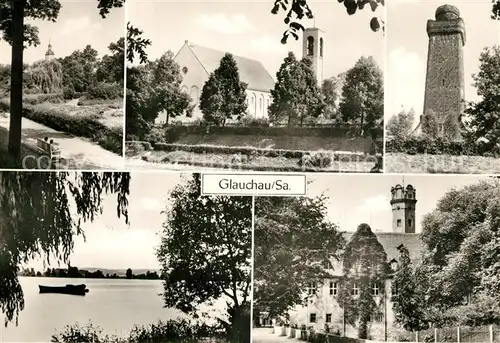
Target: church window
(442, 82)
(398, 223)
(333, 288)
(185, 70)
(375, 289)
(260, 104)
(321, 47)
(409, 222)
(328, 318)
(312, 318)
(355, 289)
(310, 46)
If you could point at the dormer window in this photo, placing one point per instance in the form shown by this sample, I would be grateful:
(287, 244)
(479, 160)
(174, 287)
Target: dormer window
(310, 46)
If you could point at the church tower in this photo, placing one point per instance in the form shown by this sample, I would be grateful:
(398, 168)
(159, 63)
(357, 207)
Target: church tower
(403, 202)
(49, 55)
(444, 84)
(313, 47)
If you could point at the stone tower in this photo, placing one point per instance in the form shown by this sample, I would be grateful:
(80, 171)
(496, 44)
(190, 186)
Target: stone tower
(444, 84)
(49, 55)
(313, 47)
(403, 202)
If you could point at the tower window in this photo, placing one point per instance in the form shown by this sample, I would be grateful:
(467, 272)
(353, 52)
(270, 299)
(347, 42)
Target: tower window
(310, 46)
(312, 318)
(333, 288)
(410, 222)
(328, 318)
(398, 223)
(321, 47)
(442, 82)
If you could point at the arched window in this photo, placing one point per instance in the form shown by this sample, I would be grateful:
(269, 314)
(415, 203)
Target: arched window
(260, 104)
(253, 104)
(194, 94)
(310, 46)
(321, 47)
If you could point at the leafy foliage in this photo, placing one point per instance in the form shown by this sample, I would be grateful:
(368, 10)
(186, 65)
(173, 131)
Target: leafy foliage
(223, 96)
(364, 267)
(293, 241)
(296, 10)
(36, 220)
(408, 295)
(136, 44)
(296, 96)
(400, 125)
(205, 254)
(461, 256)
(44, 77)
(363, 97)
(485, 115)
(331, 90)
(495, 11)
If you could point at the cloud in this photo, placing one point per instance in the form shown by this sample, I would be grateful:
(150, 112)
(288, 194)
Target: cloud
(72, 26)
(375, 204)
(268, 44)
(405, 81)
(221, 23)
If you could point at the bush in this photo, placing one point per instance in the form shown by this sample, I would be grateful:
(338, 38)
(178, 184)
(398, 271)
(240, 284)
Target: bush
(438, 146)
(319, 159)
(174, 331)
(105, 91)
(83, 126)
(35, 99)
(251, 121)
(134, 148)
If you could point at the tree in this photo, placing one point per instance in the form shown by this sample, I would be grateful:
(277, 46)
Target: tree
(461, 256)
(223, 96)
(79, 69)
(364, 270)
(293, 241)
(300, 8)
(400, 125)
(111, 68)
(495, 11)
(36, 220)
(205, 253)
(407, 296)
(296, 95)
(20, 35)
(45, 76)
(485, 115)
(363, 97)
(138, 104)
(136, 44)
(331, 90)
(128, 273)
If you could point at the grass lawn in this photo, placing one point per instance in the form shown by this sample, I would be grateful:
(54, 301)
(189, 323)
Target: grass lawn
(257, 163)
(440, 164)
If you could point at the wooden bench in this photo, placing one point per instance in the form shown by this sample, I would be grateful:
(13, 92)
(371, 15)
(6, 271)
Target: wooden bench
(49, 148)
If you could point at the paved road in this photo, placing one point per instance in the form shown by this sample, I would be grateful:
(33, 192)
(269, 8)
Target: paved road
(78, 152)
(266, 335)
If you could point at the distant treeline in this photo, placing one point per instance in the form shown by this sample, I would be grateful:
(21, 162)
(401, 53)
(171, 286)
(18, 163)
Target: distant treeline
(74, 272)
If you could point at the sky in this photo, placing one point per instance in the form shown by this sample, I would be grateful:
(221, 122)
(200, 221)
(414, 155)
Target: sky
(110, 243)
(355, 199)
(248, 29)
(407, 45)
(78, 24)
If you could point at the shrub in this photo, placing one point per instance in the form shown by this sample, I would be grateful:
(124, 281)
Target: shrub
(35, 99)
(105, 91)
(438, 146)
(251, 121)
(134, 148)
(82, 126)
(319, 159)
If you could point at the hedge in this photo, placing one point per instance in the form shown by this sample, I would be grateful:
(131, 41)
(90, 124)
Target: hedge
(82, 126)
(437, 146)
(35, 99)
(216, 149)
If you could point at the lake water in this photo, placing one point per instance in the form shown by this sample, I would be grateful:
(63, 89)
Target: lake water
(113, 304)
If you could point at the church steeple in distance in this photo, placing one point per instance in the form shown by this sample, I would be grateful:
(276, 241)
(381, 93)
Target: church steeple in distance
(403, 201)
(49, 55)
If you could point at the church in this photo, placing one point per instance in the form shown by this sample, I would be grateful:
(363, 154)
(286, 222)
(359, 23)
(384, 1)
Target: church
(322, 307)
(198, 62)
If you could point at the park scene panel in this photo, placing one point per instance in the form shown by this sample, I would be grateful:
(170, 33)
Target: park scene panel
(442, 102)
(404, 259)
(62, 96)
(123, 258)
(245, 85)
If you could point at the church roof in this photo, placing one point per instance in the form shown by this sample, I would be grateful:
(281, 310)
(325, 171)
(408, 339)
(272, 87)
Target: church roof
(391, 240)
(251, 71)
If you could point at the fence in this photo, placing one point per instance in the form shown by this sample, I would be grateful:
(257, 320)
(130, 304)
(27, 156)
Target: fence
(462, 334)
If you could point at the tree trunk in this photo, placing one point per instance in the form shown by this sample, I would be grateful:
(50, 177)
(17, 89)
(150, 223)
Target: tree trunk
(16, 78)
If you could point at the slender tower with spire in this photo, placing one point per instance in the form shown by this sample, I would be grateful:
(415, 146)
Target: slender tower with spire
(49, 55)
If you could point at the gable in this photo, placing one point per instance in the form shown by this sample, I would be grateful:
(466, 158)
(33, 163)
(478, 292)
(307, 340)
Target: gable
(251, 71)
